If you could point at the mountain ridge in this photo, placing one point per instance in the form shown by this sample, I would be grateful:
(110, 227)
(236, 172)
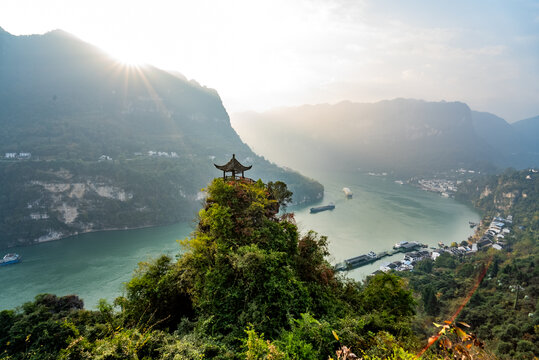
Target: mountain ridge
(109, 145)
(528, 129)
(416, 136)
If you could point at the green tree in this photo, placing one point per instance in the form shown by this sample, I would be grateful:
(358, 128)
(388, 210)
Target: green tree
(387, 303)
(279, 192)
(38, 330)
(424, 265)
(156, 295)
(244, 265)
(430, 302)
(445, 260)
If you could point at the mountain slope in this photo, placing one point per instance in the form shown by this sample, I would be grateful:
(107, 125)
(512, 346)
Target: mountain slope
(111, 146)
(495, 131)
(515, 145)
(528, 130)
(55, 86)
(409, 137)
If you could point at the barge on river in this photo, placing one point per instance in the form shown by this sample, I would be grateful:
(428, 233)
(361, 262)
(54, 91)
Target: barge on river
(362, 260)
(318, 209)
(359, 261)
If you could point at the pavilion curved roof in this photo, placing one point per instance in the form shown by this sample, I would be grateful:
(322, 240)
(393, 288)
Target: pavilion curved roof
(233, 165)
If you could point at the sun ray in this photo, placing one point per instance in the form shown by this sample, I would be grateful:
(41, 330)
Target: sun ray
(166, 113)
(130, 76)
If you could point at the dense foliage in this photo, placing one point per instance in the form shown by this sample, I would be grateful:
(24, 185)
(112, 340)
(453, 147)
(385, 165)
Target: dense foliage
(248, 285)
(503, 309)
(513, 193)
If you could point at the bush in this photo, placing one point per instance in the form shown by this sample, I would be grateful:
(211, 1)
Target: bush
(504, 348)
(156, 295)
(525, 346)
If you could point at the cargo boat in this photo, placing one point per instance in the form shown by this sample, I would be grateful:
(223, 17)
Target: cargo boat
(318, 209)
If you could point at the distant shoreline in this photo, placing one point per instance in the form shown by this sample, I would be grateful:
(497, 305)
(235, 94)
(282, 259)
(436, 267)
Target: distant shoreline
(89, 232)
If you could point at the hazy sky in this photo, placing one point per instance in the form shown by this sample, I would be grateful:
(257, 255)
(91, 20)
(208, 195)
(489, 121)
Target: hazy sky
(262, 54)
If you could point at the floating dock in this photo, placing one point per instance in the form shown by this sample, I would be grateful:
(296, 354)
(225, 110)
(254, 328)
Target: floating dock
(365, 259)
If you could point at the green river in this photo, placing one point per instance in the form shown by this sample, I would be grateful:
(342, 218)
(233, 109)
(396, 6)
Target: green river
(381, 213)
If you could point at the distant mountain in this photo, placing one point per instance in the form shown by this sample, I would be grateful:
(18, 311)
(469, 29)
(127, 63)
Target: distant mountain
(495, 131)
(408, 137)
(89, 144)
(515, 145)
(528, 131)
(62, 98)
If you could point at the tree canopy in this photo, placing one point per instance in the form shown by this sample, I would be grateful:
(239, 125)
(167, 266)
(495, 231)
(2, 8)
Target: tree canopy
(246, 285)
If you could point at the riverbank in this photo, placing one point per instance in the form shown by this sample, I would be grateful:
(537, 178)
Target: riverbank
(485, 237)
(94, 265)
(91, 265)
(380, 214)
(75, 234)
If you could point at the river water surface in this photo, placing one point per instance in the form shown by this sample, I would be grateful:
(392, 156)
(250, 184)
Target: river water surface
(381, 213)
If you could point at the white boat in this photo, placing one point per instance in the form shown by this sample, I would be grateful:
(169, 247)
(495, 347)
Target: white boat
(10, 259)
(347, 192)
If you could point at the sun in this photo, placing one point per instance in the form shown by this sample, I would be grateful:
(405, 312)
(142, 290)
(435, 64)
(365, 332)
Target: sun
(128, 55)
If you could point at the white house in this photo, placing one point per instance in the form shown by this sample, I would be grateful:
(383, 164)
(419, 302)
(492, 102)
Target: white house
(105, 158)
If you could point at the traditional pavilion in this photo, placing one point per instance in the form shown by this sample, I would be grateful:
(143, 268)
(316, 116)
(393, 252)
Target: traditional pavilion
(233, 166)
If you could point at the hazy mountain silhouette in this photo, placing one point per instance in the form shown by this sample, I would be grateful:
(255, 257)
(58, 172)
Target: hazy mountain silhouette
(68, 103)
(528, 132)
(515, 145)
(406, 136)
(83, 103)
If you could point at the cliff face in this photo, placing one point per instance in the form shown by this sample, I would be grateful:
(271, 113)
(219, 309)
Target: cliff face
(510, 193)
(90, 144)
(47, 200)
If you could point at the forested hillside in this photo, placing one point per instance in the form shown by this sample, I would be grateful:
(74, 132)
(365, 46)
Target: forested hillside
(502, 310)
(513, 193)
(249, 286)
(89, 144)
